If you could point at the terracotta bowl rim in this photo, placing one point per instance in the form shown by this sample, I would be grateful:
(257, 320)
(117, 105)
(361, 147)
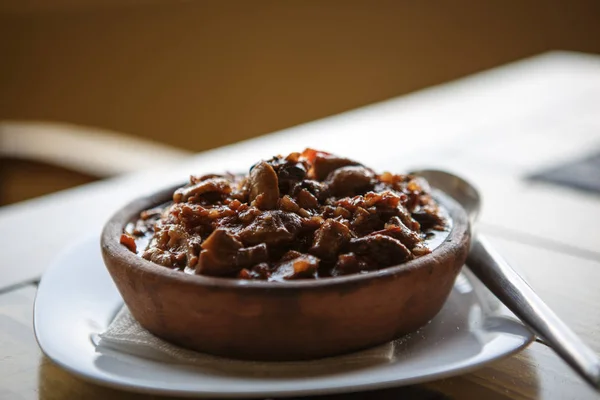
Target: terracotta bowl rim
(112, 249)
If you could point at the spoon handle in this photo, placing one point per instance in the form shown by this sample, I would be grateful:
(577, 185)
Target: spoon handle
(519, 297)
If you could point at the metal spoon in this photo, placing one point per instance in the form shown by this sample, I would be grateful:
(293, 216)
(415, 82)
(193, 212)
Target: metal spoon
(511, 289)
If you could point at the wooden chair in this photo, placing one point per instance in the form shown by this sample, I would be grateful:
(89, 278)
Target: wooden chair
(39, 157)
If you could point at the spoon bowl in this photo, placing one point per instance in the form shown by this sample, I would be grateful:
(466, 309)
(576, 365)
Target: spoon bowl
(458, 188)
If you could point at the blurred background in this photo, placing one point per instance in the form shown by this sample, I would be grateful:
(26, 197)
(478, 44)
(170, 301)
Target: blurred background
(82, 81)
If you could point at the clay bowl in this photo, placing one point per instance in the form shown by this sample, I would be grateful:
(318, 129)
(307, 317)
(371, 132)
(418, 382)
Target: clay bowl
(294, 320)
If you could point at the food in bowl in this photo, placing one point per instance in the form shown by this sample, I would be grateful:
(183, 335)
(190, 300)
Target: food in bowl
(227, 303)
(307, 215)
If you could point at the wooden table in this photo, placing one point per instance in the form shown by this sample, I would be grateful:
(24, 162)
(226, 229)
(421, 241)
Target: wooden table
(494, 128)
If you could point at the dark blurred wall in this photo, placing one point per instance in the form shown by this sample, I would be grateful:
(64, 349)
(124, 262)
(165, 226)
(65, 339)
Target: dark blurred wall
(199, 74)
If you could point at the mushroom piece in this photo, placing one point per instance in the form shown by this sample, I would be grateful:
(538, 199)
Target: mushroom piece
(264, 186)
(213, 185)
(384, 250)
(396, 229)
(428, 217)
(317, 189)
(329, 239)
(272, 227)
(350, 181)
(222, 254)
(324, 163)
(290, 173)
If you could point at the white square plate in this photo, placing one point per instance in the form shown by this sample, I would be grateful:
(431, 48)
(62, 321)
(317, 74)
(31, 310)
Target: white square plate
(77, 300)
